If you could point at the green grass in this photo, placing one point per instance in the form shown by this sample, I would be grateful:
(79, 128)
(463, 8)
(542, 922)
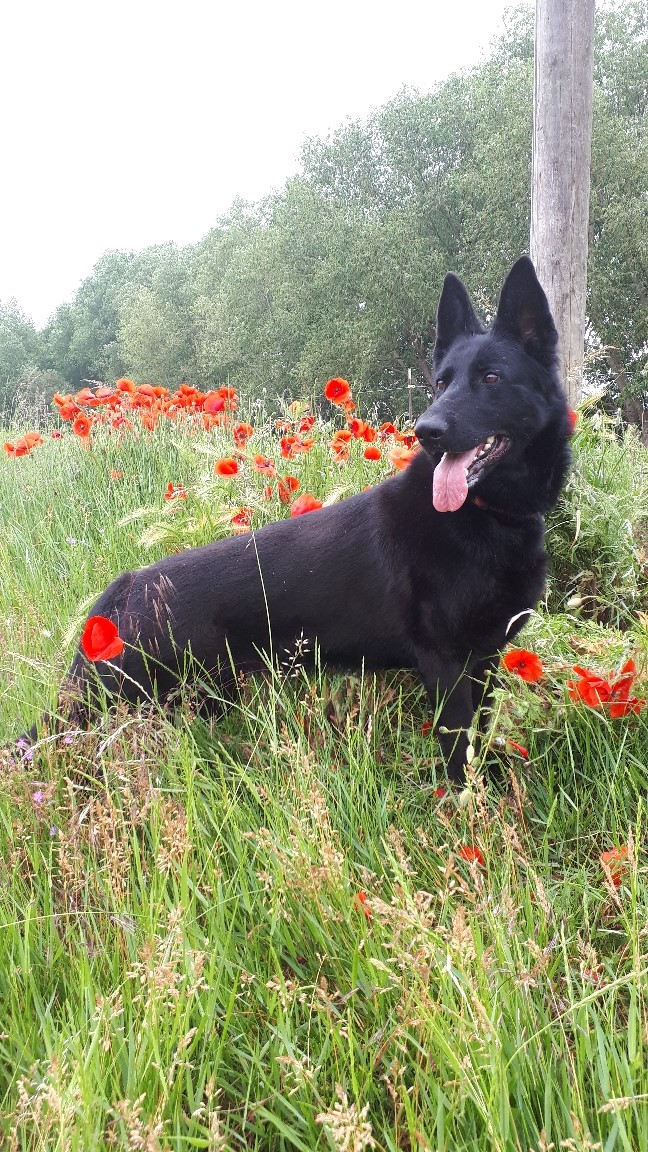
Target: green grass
(263, 935)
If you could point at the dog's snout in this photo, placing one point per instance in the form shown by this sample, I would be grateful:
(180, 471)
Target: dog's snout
(430, 429)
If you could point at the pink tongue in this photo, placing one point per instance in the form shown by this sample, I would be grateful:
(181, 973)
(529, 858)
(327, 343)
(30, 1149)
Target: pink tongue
(450, 486)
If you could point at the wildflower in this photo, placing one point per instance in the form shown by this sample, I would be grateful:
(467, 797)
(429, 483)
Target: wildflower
(372, 453)
(125, 385)
(440, 792)
(386, 429)
(614, 862)
(340, 445)
(426, 727)
(358, 427)
(57, 434)
(241, 434)
(81, 427)
(598, 691)
(286, 485)
(294, 444)
(523, 752)
(213, 403)
(38, 797)
(241, 520)
(525, 664)
(471, 853)
(337, 390)
(226, 466)
(229, 395)
(264, 465)
(175, 492)
(116, 474)
(121, 423)
(305, 503)
(100, 639)
(401, 456)
(363, 904)
(572, 416)
(305, 424)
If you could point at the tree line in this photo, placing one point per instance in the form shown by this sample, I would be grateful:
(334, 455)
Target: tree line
(340, 271)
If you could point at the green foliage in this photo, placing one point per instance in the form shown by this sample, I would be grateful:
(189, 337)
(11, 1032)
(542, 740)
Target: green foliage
(596, 536)
(19, 350)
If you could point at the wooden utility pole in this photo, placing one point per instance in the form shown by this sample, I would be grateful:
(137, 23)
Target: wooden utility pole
(562, 137)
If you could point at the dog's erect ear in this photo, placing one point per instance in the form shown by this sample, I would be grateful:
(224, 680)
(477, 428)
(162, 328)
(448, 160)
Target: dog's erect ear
(455, 316)
(523, 313)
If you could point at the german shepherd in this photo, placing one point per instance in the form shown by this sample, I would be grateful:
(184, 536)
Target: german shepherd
(432, 569)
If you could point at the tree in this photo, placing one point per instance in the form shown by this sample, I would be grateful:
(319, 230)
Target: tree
(19, 350)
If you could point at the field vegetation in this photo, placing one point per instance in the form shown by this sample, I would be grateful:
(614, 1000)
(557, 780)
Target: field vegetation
(284, 930)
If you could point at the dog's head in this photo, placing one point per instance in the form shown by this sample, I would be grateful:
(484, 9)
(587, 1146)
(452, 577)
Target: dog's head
(497, 388)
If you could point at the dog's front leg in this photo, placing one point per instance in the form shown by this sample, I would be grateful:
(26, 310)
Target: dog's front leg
(450, 690)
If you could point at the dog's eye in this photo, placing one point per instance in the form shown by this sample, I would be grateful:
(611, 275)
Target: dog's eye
(440, 384)
(492, 378)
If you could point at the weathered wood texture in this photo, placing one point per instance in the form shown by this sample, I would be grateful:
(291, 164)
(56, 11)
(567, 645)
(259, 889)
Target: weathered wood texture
(562, 135)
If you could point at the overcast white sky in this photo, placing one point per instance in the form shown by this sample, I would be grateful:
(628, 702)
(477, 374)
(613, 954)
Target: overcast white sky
(133, 122)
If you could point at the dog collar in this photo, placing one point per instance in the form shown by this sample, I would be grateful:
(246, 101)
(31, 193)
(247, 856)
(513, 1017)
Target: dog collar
(479, 503)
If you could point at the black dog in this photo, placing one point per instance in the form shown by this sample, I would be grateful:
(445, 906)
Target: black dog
(424, 571)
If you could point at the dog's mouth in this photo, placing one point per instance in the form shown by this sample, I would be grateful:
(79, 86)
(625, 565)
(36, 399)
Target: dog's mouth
(455, 474)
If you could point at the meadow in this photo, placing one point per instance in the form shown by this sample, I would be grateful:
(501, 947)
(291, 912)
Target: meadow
(284, 930)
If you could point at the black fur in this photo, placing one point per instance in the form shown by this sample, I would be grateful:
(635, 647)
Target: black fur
(383, 579)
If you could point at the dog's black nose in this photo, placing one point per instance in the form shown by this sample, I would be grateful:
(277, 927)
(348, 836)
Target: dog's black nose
(430, 430)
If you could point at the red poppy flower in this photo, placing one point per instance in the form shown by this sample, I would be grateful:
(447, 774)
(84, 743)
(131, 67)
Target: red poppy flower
(241, 520)
(121, 423)
(262, 464)
(572, 416)
(82, 426)
(386, 429)
(525, 664)
(591, 687)
(57, 434)
(337, 390)
(100, 639)
(305, 424)
(615, 861)
(174, 491)
(226, 466)
(471, 853)
(125, 385)
(401, 456)
(523, 752)
(241, 434)
(596, 691)
(363, 904)
(305, 503)
(69, 411)
(84, 396)
(372, 453)
(357, 428)
(286, 485)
